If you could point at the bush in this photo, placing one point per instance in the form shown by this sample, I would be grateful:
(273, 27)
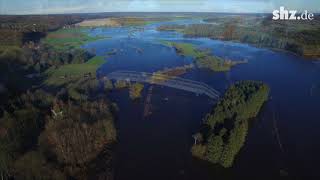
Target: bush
(135, 90)
(199, 151)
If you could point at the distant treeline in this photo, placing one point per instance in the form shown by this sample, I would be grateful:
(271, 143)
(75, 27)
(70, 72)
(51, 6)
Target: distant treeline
(299, 37)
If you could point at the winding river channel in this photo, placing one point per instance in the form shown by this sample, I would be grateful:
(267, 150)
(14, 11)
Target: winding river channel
(283, 141)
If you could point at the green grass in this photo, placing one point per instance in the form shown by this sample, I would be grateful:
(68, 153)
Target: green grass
(213, 63)
(65, 39)
(185, 49)
(72, 72)
(97, 60)
(6, 47)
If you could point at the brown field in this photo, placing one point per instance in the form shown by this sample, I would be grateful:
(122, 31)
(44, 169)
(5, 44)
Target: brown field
(116, 22)
(99, 22)
(64, 35)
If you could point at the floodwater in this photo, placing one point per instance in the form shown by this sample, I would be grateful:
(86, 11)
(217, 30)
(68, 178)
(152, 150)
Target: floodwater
(282, 142)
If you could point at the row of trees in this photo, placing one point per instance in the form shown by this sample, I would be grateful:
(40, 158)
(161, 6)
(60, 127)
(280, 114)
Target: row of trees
(225, 129)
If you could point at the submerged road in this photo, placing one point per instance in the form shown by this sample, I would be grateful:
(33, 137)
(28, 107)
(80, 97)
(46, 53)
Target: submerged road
(165, 80)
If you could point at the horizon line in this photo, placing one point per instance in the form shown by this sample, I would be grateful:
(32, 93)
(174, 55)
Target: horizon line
(217, 12)
(76, 13)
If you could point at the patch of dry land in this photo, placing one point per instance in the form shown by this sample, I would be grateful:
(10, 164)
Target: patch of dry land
(99, 22)
(115, 22)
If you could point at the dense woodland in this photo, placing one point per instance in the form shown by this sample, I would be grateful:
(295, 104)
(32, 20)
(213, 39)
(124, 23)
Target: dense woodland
(59, 130)
(45, 137)
(224, 132)
(49, 133)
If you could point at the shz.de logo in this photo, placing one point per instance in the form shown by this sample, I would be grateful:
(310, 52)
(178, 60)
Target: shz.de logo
(284, 14)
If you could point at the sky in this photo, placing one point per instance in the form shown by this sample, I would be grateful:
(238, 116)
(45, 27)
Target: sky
(87, 6)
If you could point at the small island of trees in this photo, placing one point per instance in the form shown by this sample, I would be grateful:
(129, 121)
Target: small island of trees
(203, 58)
(135, 90)
(224, 132)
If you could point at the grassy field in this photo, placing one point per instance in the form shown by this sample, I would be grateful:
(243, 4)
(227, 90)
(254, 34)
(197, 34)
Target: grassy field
(184, 49)
(66, 39)
(72, 72)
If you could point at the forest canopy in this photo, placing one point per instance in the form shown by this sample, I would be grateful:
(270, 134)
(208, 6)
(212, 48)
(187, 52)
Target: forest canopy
(226, 127)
